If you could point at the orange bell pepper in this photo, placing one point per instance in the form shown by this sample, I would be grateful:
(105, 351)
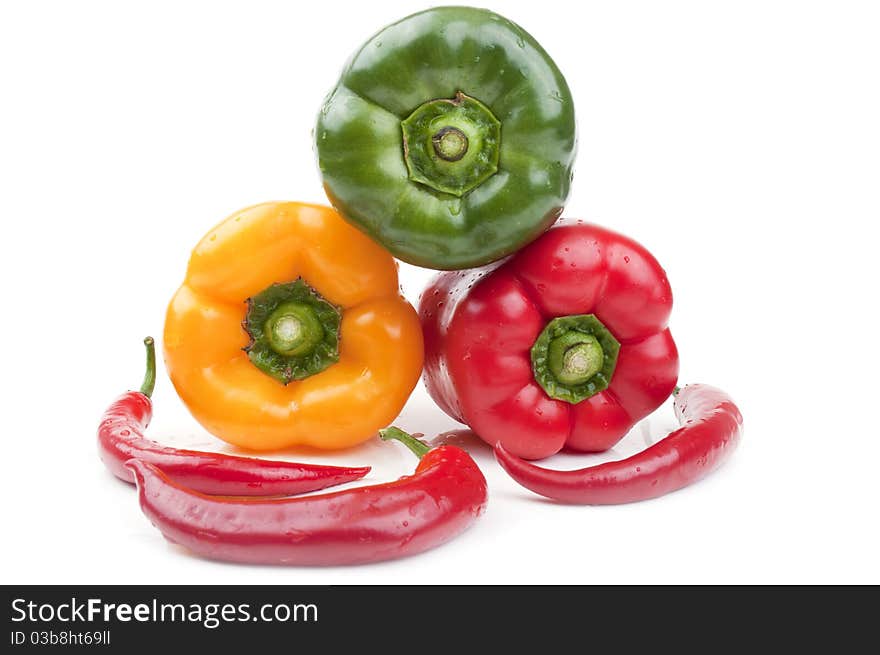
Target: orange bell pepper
(289, 329)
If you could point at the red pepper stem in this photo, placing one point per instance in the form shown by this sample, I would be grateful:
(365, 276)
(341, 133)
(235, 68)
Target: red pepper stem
(420, 449)
(574, 357)
(150, 375)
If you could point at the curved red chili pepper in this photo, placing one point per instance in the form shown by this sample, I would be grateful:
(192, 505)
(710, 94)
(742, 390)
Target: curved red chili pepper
(711, 429)
(366, 524)
(120, 439)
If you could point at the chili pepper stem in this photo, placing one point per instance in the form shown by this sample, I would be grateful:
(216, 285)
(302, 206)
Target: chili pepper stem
(149, 382)
(420, 449)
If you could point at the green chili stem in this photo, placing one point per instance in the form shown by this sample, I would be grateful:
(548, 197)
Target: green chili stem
(393, 433)
(150, 375)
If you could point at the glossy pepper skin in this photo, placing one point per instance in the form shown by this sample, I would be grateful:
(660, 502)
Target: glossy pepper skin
(482, 328)
(392, 167)
(711, 430)
(121, 438)
(331, 396)
(440, 500)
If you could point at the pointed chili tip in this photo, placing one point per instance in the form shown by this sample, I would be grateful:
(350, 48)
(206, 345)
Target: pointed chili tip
(143, 470)
(506, 459)
(138, 468)
(500, 451)
(132, 464)
(360, 471)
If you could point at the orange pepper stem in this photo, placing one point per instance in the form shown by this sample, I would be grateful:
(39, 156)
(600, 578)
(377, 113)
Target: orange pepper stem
(293, 329)
(294, 332)
(149, 382)
(396, 434)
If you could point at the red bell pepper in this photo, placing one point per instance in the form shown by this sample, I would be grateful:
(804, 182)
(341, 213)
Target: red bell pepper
(565, 344)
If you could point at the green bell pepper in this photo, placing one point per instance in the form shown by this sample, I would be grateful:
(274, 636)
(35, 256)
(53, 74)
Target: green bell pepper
(449, 139)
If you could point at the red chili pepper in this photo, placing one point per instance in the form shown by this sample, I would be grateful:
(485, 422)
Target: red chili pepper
(120, 438)
(711, 429)
(563, 345)
(355, 526)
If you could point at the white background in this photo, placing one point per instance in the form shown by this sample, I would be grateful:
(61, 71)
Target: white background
(739, 141)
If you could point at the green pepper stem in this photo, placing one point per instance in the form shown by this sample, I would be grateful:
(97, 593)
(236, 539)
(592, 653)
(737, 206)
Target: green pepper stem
(149, 382)
(450, 143)
(396, 434)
